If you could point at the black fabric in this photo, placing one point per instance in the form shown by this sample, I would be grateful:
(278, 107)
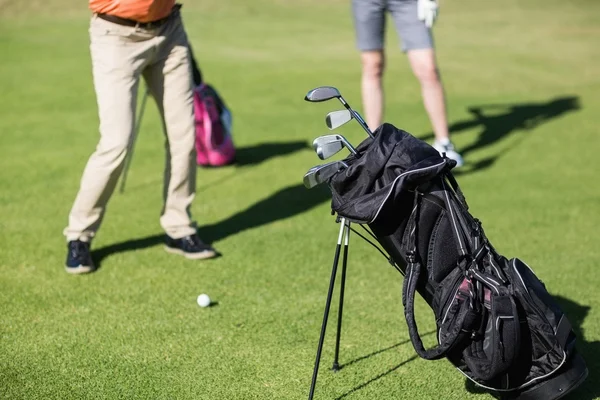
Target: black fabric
(198, 80)
(376, 187)
(496, 321)
(196, 72)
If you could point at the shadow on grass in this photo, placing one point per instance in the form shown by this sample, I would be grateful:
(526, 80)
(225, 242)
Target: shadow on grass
(283, 204)
(98, 255)
(498, 121)
(389, 371)
(381, 351)
(590, 351)
(245, 156)
(252, 155)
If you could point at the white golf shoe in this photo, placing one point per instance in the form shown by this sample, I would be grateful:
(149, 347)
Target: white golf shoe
(448, 148)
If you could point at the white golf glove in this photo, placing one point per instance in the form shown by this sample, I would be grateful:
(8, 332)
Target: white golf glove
(428, 11)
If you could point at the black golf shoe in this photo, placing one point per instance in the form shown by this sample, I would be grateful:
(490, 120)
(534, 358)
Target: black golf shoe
(79, 259)
(190, 247)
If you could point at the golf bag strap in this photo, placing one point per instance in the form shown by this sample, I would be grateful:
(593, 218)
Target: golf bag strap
(409, 289)
(408, 299)
(457, 190)
(477, 234)
(563, 331)
(480, 245)
(474, 236)
(196, 72)
(461, 241)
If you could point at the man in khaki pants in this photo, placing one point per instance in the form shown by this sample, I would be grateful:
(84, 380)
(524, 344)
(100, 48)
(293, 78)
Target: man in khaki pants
(130, 39)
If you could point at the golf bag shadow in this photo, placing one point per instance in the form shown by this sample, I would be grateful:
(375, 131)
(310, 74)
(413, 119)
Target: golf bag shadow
(496, 322)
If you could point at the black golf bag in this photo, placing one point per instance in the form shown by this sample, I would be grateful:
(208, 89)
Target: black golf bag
(496, 322)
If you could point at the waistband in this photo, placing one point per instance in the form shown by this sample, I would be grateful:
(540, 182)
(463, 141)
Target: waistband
(143, 25)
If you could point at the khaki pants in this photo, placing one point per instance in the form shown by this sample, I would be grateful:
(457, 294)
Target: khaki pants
(120, 56)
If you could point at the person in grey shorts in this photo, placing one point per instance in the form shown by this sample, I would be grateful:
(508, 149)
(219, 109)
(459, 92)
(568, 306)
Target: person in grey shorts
(413, 20)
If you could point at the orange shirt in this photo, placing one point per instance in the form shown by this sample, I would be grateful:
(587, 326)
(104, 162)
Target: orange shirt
(137, 10)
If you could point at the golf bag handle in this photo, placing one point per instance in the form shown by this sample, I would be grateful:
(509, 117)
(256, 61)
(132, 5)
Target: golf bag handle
(408, 299)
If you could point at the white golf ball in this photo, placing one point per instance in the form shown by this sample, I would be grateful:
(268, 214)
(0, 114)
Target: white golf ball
(203, 300)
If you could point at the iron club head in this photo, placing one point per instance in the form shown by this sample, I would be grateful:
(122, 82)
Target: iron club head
(326, 150)
(328, 145)
(322, 173)
(324, 93)
(335, 119)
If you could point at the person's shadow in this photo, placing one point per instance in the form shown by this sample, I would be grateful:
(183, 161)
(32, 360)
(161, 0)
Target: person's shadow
(497, 121)
(590, 351)
(283, 204)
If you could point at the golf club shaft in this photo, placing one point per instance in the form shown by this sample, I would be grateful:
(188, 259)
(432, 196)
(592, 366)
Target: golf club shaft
(351, 148)
(357, 116)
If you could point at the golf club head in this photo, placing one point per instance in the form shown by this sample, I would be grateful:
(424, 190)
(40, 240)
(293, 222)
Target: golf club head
(322, 173)
(335, 119)
(328, 145)
(322, 93)
(326, 150)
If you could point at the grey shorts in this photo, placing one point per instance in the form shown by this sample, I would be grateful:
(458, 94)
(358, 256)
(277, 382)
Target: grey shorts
(369, 24)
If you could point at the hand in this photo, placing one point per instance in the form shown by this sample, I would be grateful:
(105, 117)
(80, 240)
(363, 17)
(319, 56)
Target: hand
(428, 11)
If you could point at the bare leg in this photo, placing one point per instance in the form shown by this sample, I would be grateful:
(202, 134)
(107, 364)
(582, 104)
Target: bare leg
(373, 63)
(425, 69)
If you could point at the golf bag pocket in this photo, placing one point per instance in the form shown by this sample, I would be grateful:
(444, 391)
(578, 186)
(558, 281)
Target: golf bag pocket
(550, 330)
(440, 246)
(477, 320)
(214, 142)
(493, 351)
(454, 315)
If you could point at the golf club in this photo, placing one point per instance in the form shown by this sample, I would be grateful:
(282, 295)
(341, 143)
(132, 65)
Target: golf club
(328, 145)
(324, 93)
(321, 173)
(335, 119)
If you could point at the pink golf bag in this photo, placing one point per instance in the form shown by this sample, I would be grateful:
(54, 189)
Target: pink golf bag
(214, 143)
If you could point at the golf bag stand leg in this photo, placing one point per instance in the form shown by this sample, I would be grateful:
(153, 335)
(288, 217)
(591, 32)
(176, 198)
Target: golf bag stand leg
(336, 258)
(336, 365)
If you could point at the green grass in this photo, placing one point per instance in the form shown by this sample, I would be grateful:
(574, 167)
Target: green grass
(133, 329)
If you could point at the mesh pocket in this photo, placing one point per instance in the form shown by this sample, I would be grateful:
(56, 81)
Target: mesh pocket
(442, 254)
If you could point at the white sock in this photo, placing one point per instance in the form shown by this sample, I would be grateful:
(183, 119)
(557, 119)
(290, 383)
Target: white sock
(443, 141)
